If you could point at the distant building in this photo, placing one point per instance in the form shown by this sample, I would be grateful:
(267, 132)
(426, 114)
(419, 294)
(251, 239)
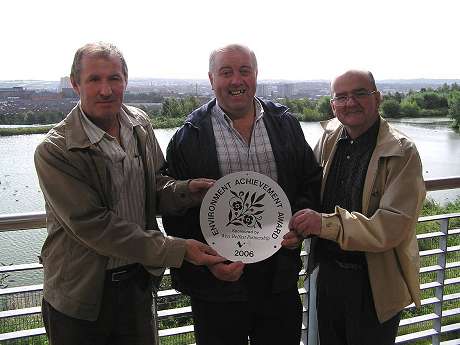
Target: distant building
(65, 88)
(65, 83)
(13, 92)
(286, 90)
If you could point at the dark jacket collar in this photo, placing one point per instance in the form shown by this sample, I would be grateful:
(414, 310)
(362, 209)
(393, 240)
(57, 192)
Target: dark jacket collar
(202, 113)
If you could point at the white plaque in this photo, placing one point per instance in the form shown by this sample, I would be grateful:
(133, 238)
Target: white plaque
(244, 216)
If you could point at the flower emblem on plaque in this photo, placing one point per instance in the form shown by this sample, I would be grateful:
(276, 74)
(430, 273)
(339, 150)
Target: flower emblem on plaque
(244, 210)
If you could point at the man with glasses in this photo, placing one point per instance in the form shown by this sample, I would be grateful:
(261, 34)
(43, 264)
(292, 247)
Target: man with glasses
(364, 241)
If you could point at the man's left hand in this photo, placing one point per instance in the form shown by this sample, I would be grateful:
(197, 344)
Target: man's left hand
(199, 186)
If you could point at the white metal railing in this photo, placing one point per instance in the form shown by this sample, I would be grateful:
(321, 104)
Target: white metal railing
(440, 284)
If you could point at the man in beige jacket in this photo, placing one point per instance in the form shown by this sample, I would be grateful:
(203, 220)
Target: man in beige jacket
(99, 173)
(364, 241)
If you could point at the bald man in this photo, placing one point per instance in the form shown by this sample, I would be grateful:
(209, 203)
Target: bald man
(364, 240)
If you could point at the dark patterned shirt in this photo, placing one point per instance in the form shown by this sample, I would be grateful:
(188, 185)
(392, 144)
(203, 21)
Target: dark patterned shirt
(344, 186)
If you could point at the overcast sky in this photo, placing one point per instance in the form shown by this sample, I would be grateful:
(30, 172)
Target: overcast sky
(296, 40)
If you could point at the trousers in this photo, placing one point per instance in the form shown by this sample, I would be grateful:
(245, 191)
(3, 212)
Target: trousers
(346, 313)
(125, 316)
(272, 320)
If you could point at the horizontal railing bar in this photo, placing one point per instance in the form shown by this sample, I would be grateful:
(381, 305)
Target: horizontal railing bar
(430, 285)
(453, 249)
(174, 312)
(417, 319)
(438, 251)
(451, 296)
(414, 336)
(21, 267)
(450, 328)
(433, 268)
(451, 312)
(431, 252)
(427, 235)
(26, 333)
(451, 182)
(21, 289)
(22, 221)
(438, 217)
(455, 264)
(450, 342)
(168, 293)
(175, 331)
(451, 281)
(19, 312)
(426, 301)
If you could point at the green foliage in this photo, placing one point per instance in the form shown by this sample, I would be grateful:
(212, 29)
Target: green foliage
(390, 108)
(324, 107)
(409, 108)
(307, 109)
(179, 107)
(454, 107)
(167, 122)
(311, 115)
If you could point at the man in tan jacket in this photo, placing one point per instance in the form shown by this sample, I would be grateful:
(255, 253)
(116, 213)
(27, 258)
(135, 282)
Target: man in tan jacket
(99, 173)
(364, 241)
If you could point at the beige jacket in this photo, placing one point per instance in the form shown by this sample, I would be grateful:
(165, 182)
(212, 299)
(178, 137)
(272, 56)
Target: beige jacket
(393, 194)
(83, 230)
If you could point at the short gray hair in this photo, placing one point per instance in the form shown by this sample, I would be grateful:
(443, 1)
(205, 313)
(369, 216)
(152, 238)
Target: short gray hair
(100, 49)
(231, 48)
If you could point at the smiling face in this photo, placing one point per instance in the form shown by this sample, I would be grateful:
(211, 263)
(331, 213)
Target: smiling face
(234, 80)
(356, 114)
(101, 86)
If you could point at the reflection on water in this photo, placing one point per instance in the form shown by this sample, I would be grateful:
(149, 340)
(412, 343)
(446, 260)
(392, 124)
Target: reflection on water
(439, 148)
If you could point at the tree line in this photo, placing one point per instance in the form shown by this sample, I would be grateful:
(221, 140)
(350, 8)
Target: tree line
(443, 101)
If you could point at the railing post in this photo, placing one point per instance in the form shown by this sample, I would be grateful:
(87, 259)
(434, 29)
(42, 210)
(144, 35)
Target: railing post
(309, 302)
(155, 321)
(440, 275)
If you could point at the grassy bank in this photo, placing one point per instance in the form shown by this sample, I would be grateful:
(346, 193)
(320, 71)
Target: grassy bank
(25, 130)
(157, 122)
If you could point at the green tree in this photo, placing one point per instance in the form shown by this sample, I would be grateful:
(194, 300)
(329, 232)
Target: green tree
(454, 107)
(324, 107)
(409, 108)
(390, 108)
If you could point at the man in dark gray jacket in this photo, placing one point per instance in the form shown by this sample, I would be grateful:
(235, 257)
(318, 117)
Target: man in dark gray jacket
(99, 173)
(235, 132)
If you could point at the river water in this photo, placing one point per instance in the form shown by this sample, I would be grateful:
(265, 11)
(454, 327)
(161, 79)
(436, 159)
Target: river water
(439, 148)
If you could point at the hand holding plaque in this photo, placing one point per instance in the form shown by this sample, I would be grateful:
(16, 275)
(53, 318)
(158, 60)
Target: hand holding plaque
(244, 216)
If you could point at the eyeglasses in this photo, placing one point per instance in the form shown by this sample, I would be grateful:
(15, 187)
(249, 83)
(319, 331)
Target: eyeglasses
(357, 95)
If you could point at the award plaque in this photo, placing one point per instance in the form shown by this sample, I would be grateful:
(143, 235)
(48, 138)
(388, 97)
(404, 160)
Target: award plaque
(244, 216)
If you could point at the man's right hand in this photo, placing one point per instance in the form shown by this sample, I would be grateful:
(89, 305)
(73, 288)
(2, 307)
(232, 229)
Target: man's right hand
(228, 272)
(199, 253)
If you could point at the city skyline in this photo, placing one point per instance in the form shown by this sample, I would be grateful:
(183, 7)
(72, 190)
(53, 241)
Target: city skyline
(293, 40)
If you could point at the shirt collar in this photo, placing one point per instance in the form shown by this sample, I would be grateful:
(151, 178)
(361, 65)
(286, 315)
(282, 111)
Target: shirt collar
(96, 134)
(220, 113)
(367, 137)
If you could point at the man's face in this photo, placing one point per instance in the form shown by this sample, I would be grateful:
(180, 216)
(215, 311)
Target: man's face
(101, 87)
(234, 81)
(360, 111)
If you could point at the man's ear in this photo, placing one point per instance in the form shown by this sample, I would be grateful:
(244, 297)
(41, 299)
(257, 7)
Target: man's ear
(211, 80)
(75, 85)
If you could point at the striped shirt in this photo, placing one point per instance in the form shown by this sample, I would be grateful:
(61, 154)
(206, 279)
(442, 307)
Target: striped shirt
(234, 153)
(126, 170)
